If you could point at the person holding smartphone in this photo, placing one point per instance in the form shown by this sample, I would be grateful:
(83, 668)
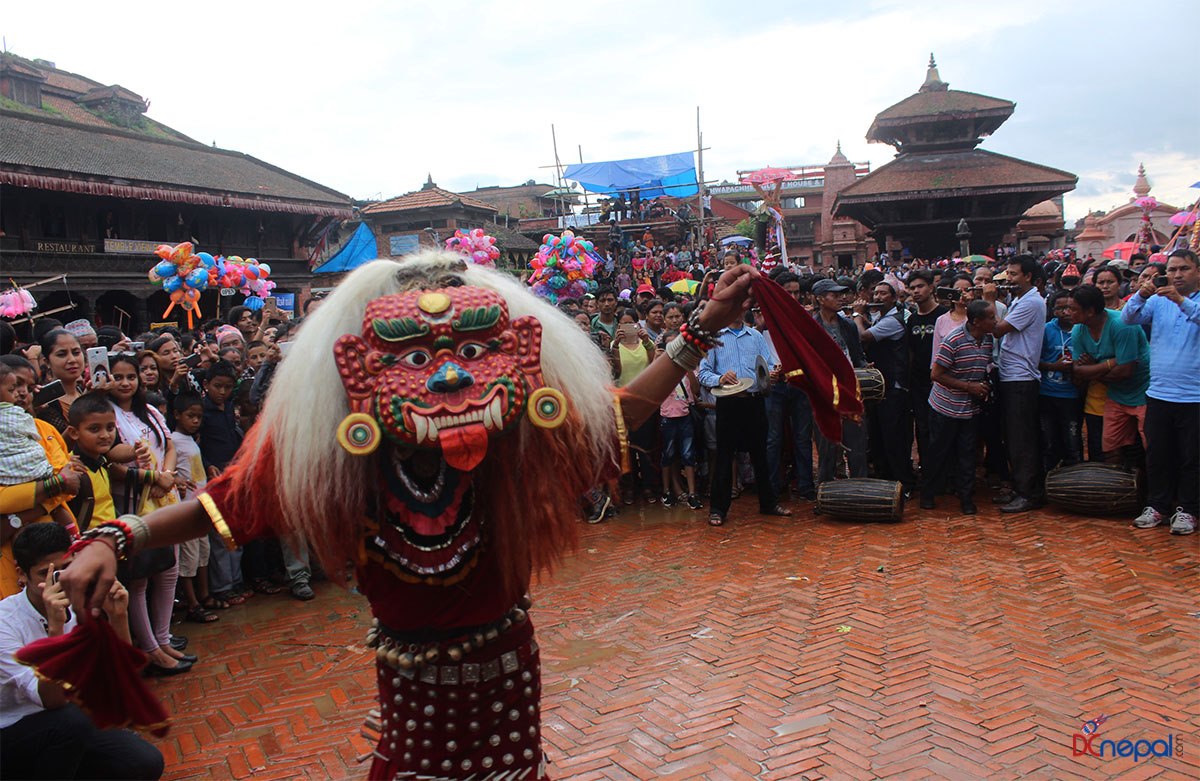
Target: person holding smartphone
(42, 733)
(1173, 397)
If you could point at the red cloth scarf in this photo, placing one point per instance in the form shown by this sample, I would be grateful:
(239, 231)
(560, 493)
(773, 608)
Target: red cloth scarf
(811, 360)
(101, 673)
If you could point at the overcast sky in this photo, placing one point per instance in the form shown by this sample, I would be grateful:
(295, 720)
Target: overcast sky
(368, 97)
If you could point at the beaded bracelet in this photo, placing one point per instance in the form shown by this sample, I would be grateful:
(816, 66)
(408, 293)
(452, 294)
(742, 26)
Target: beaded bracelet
(707, 338)
(103, 530)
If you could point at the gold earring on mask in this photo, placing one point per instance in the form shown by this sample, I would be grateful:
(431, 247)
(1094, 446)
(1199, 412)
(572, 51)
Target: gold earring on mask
(547, 408)
(358, 434)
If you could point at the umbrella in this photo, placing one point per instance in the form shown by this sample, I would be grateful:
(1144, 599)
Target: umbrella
(767, 175)
(1183, 218)
(744, 240)
(1122, 249)
(978, 259)
(687, 286)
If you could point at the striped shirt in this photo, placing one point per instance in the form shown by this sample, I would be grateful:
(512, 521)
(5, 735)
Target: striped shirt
(966, 360)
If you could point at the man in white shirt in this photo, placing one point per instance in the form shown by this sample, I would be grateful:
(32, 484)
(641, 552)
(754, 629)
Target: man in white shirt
(42, 733)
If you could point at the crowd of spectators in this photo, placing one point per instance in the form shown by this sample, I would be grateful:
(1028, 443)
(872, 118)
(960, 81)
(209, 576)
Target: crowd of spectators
(1019, 366)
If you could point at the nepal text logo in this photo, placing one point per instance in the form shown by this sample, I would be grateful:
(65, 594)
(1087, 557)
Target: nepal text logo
(1087, 742)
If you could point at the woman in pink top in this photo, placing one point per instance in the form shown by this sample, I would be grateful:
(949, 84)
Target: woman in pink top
(956, 316)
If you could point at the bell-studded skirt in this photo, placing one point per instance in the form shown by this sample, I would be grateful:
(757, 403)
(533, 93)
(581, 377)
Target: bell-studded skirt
(476, 718)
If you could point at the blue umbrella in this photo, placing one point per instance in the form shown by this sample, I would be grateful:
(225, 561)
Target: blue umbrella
(725, 242)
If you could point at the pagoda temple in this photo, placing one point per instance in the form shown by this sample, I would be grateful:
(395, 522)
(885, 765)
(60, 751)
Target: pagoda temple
(940, 177)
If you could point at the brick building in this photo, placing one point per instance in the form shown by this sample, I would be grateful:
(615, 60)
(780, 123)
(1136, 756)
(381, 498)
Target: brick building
(526, 201)
(89, 186)
(430, 215)
(815, 237)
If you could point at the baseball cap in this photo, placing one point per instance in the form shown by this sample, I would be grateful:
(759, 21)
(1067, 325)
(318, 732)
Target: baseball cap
(645, 288)
(824, 286)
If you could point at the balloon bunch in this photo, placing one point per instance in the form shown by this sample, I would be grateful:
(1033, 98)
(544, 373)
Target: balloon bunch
(183, 275)
(251, 277)
(476, 246)
(563, 267)
(16, 302)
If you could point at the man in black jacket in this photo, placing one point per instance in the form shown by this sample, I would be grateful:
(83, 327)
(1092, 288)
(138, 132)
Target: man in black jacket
(890, 427)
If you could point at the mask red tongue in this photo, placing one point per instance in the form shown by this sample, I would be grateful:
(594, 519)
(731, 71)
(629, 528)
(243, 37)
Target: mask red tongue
(464, 447)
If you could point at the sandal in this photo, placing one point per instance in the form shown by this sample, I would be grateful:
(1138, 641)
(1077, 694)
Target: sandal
(264, 586)
(212, 603)
(198, 615)
(716, 519)
(778, 510)
(236, 599)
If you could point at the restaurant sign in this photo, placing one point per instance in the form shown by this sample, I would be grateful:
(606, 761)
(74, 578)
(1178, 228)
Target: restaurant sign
(60, 245)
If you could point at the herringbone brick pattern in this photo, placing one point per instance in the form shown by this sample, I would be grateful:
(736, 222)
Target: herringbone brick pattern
(801, 648)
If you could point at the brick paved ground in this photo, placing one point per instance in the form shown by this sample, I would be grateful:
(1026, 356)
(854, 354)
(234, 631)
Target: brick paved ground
(798, 648)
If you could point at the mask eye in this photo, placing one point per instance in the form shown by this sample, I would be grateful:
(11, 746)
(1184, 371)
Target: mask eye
(471, 350)
(416, 359)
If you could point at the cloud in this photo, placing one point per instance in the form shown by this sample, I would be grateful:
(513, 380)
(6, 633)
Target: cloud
(370, 97)
(1170, 175)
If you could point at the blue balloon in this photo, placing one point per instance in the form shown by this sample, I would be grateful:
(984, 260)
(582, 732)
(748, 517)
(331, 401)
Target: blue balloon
(253, 303)
(165, 269)
(171, 284)
(198, 278)
(206, 259)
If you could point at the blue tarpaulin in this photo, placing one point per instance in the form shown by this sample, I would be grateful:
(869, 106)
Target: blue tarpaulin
(360, 249)
(673, 175)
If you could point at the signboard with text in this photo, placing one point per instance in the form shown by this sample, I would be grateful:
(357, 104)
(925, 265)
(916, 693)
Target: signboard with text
(134, 246)
(286, 301)
(403, 245)
(62, 245)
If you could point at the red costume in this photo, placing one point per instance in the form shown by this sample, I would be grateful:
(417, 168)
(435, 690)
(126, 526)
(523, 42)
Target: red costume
(444, 556)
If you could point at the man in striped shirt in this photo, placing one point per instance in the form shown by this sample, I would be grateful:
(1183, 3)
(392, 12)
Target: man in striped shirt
(960, 371)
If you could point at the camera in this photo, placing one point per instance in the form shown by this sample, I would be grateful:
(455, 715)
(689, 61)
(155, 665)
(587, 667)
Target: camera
(948, 294)
(1161, 281)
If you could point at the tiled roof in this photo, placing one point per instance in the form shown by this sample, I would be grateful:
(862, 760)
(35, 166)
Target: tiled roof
(114, 91)
(932, 104)
(919, 175)
(532, 190)
(18, 65)
(69, 82)
(428, 198)
(36, 145)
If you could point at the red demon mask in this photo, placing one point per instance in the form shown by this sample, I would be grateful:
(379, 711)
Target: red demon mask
(444, 369)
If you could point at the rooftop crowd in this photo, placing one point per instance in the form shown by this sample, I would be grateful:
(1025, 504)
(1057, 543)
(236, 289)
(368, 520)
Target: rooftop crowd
(1003, 371)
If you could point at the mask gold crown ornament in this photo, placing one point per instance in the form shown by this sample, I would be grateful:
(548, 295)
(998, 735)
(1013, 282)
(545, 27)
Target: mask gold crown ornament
(443, 369)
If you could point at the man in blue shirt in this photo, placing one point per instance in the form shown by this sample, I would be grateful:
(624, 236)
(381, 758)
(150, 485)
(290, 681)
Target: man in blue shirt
(1061, 410)
(1173, 398)
(1020, 353)
(741, 418)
